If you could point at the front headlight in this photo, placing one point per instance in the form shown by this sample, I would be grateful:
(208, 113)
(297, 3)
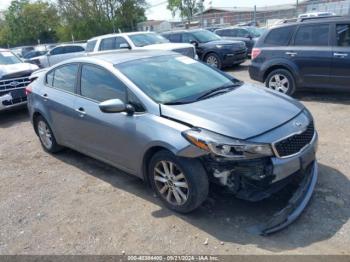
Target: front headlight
(224, 146)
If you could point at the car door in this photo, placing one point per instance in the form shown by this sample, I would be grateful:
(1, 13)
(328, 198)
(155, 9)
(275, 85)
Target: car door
(340, 70)
(58, 97)
(114, 43)
(54, 55)
(312, 54)
(105, 136)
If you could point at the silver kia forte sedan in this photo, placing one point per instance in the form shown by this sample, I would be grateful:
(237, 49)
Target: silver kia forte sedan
(180, 125)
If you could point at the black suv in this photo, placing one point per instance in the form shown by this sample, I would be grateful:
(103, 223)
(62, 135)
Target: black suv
(248, 34)
(312, 53)
(210, 47)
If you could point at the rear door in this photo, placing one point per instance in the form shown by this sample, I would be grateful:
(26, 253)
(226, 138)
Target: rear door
(58, 98)
(312, 54)
(340, 72)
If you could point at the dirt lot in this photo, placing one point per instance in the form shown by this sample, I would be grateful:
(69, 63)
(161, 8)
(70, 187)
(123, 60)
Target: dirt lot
(72, 204)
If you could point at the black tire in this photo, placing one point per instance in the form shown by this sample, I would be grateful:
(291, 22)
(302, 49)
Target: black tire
(286, 75)
(53, 147)
(211, 57)
(195, 177)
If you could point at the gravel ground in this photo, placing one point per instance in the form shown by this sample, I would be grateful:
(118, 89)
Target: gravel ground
(71, 204)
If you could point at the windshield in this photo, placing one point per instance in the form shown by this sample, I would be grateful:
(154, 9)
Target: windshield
(257, 32)
(140, 40)
(204, 36)
(173, 78)
(8, 58)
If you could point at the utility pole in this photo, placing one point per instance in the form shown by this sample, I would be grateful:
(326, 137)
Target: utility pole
(254, 17)
(296, 7)
(202, 10)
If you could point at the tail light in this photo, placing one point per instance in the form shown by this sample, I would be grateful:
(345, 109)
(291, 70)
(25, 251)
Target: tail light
(28, 90)
(256, 52)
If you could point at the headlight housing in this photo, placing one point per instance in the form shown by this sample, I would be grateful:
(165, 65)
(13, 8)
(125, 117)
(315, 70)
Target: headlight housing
(224, 146)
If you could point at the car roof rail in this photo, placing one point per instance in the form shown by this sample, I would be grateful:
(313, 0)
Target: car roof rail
(304, 19)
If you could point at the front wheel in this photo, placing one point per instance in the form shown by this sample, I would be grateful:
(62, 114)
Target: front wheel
(181, 183)
(281, 80)
(213, 60)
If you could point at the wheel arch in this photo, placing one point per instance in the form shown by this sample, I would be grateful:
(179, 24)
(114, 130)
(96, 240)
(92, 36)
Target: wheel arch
(286, 65)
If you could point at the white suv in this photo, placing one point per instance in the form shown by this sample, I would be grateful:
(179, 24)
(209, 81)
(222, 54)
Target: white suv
(137, 40)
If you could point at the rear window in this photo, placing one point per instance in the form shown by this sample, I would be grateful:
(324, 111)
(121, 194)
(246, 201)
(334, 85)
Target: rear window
(280, 36)
(312, 35)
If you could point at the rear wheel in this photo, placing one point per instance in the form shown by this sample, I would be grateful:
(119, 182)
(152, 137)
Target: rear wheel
(181, 183)
(46, 137)
(213, 60)
(281, 80)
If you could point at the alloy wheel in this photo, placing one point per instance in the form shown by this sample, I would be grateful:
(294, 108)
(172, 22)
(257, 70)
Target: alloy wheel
(279, 83)
(212, 60)
(171, 183)
(45, 134)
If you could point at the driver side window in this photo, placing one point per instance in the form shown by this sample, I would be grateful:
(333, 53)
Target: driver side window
(100, 85)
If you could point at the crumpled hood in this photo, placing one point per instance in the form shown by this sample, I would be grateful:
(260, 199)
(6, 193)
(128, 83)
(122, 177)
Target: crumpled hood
(16, 68)
(167, 46)
(245, 112)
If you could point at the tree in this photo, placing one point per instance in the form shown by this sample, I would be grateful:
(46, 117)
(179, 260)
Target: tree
(186, 8)
(26, 23)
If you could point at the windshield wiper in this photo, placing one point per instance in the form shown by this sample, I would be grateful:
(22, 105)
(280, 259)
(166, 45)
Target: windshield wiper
(218, 90)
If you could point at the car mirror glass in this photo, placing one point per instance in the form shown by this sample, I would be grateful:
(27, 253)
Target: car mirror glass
(112, 106)
(124, 46)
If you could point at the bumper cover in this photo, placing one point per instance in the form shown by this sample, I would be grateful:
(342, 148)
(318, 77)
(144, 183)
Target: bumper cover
(294, 208)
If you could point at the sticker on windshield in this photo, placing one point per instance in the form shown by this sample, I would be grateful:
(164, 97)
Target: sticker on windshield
(6, 54)
(186, 60)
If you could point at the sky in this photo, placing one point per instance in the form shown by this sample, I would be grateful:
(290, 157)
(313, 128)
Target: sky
(158, 10)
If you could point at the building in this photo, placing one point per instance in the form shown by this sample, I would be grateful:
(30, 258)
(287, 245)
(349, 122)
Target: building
(154, 25)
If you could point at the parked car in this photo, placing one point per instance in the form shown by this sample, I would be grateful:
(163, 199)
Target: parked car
(21, 51)
(316, 14)
(34, 53)
(59, 54)
(137, 41)
(249, 35)
(314, 53)
(210, 47)
(14, 77)
(179, 124)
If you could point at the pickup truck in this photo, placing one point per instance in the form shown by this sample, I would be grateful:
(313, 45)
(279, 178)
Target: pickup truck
(59, 54)
(14, 78)
(137, 41)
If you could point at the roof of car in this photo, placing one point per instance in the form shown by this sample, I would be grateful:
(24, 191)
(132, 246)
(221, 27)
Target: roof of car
(321, 19)
(183, 31)
(122, 56)
(120, 34)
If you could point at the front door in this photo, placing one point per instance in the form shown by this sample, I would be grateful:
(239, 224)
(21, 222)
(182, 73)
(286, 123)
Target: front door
(312, 54)
(340, 73)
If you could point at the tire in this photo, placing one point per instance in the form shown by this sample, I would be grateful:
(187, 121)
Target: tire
(214, 60)
(193, 183)
(46, 137)
(281, 80)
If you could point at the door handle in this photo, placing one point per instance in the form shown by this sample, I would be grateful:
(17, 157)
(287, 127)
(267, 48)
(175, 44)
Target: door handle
(342, 55)
(291, 53)
(81, 111)
(44, 96)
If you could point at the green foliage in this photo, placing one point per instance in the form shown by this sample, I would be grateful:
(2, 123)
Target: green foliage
(186, 8)
(27, 21)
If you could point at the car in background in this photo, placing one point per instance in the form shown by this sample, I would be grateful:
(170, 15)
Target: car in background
(314, 53)
(210, 47)
(249, 35)
(180, 125)
(14, 78)
(58, 54)
(136, 41)
(212, 28)
(32, 54)
(21, 51)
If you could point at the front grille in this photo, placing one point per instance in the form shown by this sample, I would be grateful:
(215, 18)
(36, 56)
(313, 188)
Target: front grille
(14, 83)
(188, 51)
(295, 143)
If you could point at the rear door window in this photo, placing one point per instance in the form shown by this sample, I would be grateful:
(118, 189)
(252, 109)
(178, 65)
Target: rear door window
(64, 77)
(343, 35)
(100, 85)
(312, 35)
(280, 36)
(73, 49)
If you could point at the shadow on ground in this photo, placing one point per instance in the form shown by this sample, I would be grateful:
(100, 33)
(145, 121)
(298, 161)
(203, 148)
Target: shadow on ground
(324, 96)
(9, 118)
(227, 219)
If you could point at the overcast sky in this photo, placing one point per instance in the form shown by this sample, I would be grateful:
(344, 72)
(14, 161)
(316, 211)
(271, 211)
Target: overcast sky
(158, 9)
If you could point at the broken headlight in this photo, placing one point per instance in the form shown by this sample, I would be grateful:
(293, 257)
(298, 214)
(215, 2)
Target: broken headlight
(224, 146)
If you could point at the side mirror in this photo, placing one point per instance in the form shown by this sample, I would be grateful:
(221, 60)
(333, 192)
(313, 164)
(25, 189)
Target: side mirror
(112, 106)
(248, 36)
(124, 46)
(195, 43)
